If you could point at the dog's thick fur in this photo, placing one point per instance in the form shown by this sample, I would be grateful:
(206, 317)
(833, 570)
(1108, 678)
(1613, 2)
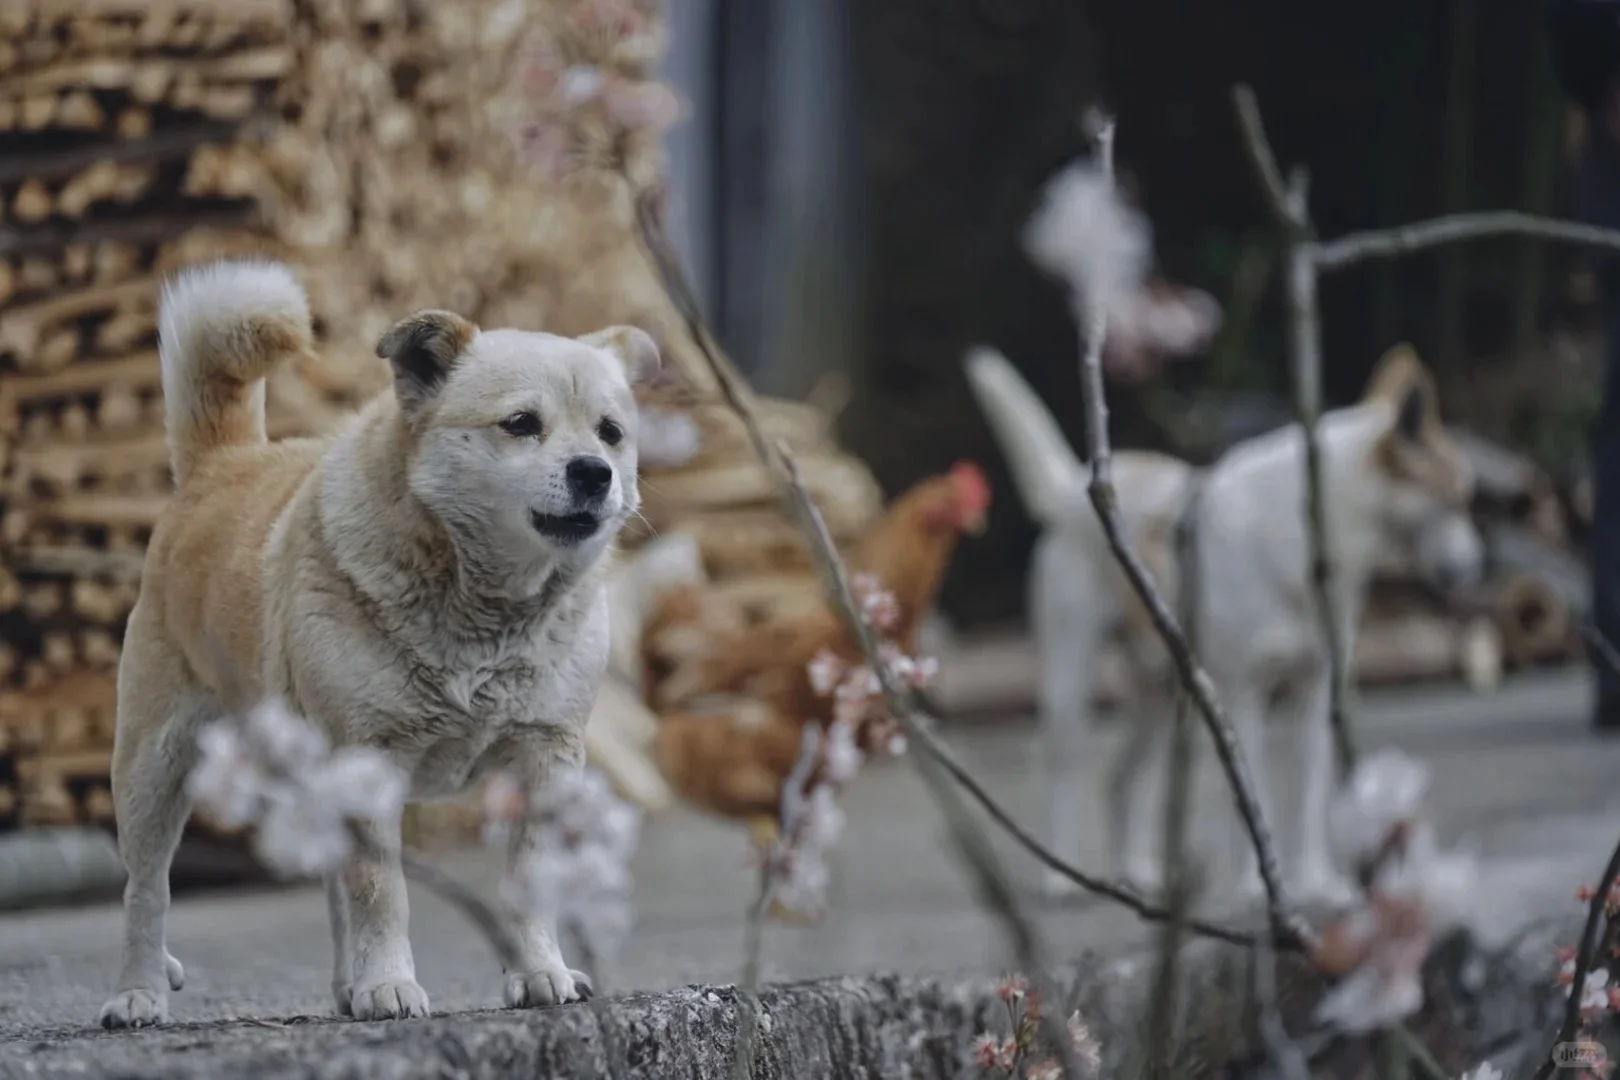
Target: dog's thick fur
(1395, 488)
(426, 582)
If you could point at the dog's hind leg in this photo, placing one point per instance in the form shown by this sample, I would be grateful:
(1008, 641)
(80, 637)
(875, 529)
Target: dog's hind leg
(1136, 783)
(1065, 607)
(1246, 708)
(159, 712)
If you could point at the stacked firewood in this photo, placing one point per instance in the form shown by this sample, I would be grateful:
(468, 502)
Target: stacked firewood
(387, 149)
(131, 131)
(1526, 613)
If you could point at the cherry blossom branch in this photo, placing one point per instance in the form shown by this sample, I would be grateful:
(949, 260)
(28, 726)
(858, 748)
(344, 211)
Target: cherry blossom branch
(1290, 207)
(1585, 957)
(1195, 680)
(973, 847)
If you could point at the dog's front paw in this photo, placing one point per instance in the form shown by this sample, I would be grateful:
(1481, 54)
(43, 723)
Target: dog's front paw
(549, 986)
(388, 999)
(136, 1009)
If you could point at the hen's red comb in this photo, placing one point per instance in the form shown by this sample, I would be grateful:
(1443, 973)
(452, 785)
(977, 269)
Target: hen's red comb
(971, 487)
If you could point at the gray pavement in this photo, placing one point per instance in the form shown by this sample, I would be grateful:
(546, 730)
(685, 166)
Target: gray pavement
(1517, 773)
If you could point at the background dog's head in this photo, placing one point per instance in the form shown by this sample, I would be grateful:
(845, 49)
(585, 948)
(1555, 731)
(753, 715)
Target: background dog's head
(523, 444)
(1429, 483)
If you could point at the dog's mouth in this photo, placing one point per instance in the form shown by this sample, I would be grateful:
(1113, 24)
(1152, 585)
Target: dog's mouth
(566, 528)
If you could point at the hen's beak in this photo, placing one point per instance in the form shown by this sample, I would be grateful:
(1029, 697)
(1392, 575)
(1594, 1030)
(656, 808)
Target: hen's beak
(975, 524)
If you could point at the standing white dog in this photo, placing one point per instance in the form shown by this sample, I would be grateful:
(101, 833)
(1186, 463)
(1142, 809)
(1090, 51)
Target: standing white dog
(427, 583)
(1394, 487)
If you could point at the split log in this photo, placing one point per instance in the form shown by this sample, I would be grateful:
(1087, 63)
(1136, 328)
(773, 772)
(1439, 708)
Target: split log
(1417, 647)
(22, 327)
(64, 468)
(150, 80)
(136, 372)
(131, 511)
(1519, 550)
(32, 202)
(41, 600)
(843, 490)
(1533, 618)
(49, 804)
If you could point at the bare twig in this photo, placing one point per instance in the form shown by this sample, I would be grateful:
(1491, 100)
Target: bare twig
(972, 846)
(1194, 679)
(478, 911)
(753, 945)
(1124, 895)
(1293, 220)
(1406, 239)
(1290, 206)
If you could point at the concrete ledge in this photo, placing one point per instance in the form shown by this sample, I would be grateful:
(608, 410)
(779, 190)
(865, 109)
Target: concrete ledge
(1482, 1003)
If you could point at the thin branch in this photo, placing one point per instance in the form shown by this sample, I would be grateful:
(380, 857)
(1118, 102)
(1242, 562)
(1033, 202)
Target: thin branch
(1194, 679)
(1406, 239)
(1178, 791)
(1293, 219)
(478, 911)
(1290, 205)
(1122, 894)
(742, 1060)
(1283, 1051)
(972, 845)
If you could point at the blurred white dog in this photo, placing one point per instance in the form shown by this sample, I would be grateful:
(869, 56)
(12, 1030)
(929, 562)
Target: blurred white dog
(1395, 487)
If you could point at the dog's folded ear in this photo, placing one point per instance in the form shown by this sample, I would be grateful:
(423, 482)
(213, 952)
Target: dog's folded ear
(422, 349)
(633, 346)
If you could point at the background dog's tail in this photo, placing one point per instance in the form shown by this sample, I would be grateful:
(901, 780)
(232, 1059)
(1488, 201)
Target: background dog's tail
(222, 328)
(1049, 475)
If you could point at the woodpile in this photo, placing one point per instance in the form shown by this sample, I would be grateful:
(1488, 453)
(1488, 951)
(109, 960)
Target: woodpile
(132, 137)
(384, 148)
(1527, 611)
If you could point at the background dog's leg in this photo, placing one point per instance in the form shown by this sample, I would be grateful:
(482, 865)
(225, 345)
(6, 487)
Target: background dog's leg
(544, 977)
(153, 752)
(1136, 786)
(1318, 878)
(1068, 632)
(337, 909)
(1246, 706)
(377, 929)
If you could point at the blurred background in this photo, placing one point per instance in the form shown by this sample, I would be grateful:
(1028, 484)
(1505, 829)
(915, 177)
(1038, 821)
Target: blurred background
(846, 185)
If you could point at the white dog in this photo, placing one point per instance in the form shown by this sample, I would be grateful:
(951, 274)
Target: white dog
(1394, 487)
(427, 582)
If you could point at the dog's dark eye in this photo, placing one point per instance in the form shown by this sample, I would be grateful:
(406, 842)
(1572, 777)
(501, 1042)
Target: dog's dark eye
(609, 432)
(523, 425)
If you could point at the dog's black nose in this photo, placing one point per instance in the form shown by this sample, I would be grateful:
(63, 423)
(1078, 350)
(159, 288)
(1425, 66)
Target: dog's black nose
(589, 477)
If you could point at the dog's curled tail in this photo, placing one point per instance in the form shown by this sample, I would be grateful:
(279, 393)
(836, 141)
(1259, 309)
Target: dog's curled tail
(1049, 475)
(222, 328)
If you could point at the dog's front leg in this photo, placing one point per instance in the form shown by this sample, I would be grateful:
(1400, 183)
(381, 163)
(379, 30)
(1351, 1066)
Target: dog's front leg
(1318, 878)
(376, 933)
(542, 977)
